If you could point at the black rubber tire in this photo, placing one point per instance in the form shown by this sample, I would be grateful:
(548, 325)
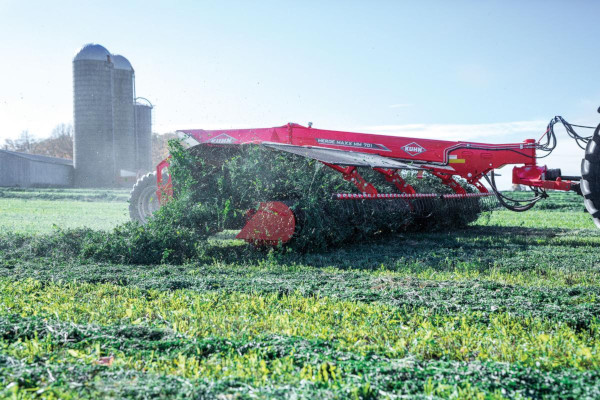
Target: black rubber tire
(590, 177)
(143, 201)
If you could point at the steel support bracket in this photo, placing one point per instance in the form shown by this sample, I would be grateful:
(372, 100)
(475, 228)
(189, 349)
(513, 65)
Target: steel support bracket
(351, 175)
(392, 176)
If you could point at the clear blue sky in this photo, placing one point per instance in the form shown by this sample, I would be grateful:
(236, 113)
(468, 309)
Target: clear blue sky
(480, 70)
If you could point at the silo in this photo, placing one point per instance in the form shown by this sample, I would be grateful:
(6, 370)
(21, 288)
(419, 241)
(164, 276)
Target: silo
(143, 133)
(93, 147)
(123, 117)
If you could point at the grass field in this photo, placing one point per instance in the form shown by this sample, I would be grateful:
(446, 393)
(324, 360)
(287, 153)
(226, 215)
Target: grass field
(507, 308)
(43, 210)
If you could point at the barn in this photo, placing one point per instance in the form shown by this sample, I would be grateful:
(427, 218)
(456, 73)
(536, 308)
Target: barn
(32, 170)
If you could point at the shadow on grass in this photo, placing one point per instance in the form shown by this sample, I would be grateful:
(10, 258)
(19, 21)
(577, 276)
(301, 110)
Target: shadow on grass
(479, 246)
(476, 248)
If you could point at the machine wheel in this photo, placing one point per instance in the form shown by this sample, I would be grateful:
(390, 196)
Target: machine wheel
(590, 177)
(143, 201)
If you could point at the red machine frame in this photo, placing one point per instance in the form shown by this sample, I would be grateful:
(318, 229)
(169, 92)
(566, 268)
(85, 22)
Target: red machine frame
(444, 159)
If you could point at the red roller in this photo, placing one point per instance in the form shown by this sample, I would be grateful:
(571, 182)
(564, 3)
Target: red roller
(272, 223)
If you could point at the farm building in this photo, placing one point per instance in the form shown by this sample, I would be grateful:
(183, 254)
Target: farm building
(32, 170)
(112, 142)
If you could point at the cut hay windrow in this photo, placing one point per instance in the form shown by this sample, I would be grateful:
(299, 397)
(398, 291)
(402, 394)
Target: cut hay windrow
(227, 182)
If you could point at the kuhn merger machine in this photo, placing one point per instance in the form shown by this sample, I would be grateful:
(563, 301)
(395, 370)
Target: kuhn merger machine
(460, 166)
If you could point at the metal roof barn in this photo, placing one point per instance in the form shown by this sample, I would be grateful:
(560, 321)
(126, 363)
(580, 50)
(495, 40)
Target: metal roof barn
(32, 170)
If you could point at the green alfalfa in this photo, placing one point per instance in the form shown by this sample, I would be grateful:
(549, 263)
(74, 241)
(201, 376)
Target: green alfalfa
(227, 181)
(216, 186)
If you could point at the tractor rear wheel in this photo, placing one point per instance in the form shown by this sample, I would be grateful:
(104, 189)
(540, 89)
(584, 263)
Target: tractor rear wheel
(143, 201)
(590, 177)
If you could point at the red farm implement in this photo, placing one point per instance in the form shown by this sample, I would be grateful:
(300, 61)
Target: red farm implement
(466, 169)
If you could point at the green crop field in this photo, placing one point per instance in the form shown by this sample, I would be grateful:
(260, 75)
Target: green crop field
(506, 308)
(44, 210)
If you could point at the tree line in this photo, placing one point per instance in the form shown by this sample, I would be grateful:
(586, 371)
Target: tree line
(60, 144)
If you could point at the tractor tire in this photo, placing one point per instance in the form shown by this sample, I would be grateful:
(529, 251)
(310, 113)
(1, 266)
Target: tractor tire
(143, 201)
(590, 177)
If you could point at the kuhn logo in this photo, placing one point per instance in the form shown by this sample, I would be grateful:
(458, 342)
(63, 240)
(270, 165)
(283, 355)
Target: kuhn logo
(222, 139)
(413, 149)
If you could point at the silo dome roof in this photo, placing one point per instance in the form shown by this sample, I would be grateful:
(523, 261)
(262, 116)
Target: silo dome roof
(121, 62)
(92, 51)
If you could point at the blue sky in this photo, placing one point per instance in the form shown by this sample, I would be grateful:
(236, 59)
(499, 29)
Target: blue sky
(475, 70)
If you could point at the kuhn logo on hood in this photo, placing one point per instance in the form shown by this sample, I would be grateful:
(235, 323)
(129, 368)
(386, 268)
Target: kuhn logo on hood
(414, 148)
(222, 139)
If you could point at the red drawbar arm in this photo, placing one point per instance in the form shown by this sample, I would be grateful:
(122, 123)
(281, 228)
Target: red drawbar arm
(165, 189)
(535, 176)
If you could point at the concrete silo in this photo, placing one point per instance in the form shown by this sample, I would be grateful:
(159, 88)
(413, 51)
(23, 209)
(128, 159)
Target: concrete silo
(123, 117)
(143, 134)
(93, 147)
(113, 133)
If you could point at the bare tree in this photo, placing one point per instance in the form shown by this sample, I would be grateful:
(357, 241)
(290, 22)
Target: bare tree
(9, 144)
(62, 130)
(23, 144)
(26, 141)
(59, 144)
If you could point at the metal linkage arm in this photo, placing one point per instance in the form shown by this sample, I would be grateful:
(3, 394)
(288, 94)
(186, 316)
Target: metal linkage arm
(449, 181)
(394, 177)
(480, 186)
(351, 175)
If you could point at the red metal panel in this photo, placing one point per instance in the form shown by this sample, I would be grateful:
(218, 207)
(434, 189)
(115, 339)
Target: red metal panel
(469, 160)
